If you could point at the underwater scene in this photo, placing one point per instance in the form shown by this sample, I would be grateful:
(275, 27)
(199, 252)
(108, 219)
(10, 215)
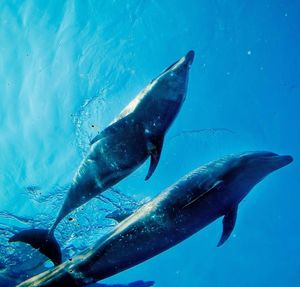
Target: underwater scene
(149, 143)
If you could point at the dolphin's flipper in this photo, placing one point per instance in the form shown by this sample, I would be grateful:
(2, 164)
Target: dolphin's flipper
(120, 215)
(155, 144)
(228, 224)
(42, 240)
(96, 138)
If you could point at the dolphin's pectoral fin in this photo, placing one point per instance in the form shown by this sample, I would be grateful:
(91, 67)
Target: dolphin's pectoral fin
(95, 139)
(228, 224)
(120, 215)
(154, 145)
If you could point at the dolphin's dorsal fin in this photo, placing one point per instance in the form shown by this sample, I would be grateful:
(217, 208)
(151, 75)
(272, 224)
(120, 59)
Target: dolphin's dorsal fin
(228, 224)
(154, 146)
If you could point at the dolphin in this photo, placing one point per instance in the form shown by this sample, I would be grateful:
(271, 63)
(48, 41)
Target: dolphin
(212, 191)
(139, 283)
(136, 134)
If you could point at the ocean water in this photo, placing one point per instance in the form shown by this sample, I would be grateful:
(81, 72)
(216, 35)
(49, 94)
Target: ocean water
(68, 67)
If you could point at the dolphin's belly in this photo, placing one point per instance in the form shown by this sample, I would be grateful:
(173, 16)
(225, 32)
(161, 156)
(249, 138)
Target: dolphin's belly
(109, 160)
(114, 158)
(138, 239)
(159, 225)
(114, 161)
(127, 249)
(163, 113)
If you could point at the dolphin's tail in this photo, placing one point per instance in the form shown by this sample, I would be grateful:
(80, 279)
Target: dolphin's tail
(43, 240)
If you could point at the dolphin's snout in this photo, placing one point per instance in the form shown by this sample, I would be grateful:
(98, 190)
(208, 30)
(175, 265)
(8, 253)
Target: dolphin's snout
(189, 57)
(285, 159)
(270, 160)
(183, 63)
(280, 161)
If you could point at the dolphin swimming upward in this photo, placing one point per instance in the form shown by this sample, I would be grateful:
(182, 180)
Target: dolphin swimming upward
(212, 191)
(133, 136)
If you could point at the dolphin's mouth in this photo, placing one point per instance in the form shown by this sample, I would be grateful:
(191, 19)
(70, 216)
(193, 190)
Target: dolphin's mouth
(187, 59)
(279, 161)
(272, 160)
(284, 159)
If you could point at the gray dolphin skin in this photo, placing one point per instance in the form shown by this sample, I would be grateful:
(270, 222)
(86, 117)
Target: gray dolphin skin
(212, 191)
(133, 136)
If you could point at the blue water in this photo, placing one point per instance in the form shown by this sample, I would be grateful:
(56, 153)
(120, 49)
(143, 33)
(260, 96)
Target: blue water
(68, 67)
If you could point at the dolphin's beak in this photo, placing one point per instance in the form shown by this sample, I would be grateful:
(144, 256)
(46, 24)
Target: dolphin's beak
(285, 159)
(189, 57)
(185, 61)
(279, 161)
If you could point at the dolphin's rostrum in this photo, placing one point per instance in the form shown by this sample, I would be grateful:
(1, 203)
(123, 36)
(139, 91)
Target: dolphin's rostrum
(136, 134)
(196, 200)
